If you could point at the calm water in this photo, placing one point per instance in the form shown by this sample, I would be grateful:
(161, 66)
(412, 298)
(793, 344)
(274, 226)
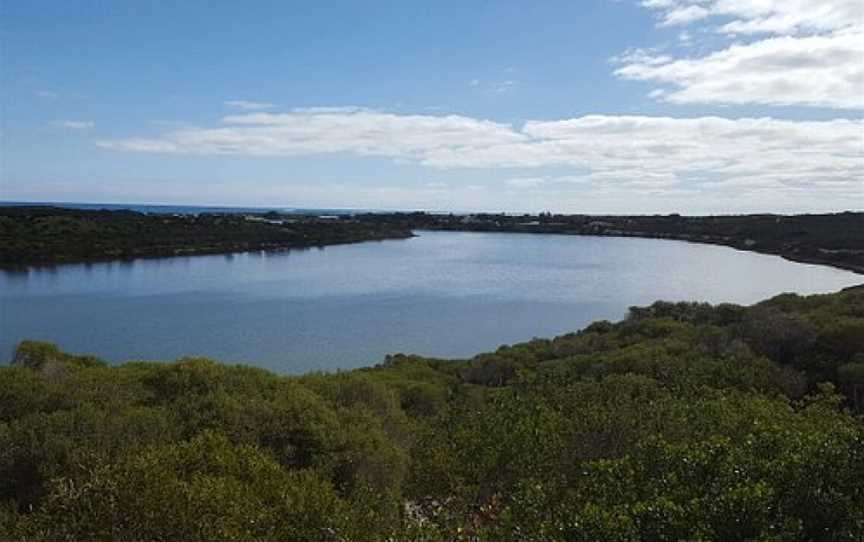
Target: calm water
(439, 294)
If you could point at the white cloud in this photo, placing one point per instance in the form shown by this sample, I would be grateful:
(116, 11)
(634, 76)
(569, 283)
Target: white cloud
(245, 105)
(684, 15)
(609, 153)
(823, 71)
(641, 56)
(329, 130)
(793, 52)
(526, 182)
(76, 124)
(764, 16)
(47, 94)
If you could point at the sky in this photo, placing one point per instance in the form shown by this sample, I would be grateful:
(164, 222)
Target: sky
(574, 106)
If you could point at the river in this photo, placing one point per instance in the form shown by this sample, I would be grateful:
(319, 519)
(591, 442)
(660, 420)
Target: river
(446, 294)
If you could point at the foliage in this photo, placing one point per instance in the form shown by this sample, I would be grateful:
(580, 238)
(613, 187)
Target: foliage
(683, 422)
(49, 235)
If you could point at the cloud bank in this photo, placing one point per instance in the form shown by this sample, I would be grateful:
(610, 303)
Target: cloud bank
(660, 152)
(782, 52)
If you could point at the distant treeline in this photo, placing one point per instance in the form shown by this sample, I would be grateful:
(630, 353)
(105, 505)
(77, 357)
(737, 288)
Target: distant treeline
(47, 235)
(31, 235)
(685, 421)
(832, 239)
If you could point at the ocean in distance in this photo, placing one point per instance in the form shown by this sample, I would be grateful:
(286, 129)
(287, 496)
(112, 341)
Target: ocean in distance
(182, 209)
(446, 294)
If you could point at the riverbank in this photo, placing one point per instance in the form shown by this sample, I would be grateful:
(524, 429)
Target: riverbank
(684, 421)
(788, 253)
(53, 235)
(47, 235)
(834, 239)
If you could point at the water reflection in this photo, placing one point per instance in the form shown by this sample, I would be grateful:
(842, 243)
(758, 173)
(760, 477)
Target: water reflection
(443, 294)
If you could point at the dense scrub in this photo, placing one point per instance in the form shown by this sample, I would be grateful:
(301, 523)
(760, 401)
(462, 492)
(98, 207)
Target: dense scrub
(683, 422)
(45, 235)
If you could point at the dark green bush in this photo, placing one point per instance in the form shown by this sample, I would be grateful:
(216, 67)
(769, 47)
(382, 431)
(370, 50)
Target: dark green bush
(684, 422)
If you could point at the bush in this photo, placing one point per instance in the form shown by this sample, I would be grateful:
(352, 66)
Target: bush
(685, 421)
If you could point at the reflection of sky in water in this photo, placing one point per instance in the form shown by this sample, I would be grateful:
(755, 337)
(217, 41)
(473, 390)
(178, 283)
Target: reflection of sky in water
(441, 293)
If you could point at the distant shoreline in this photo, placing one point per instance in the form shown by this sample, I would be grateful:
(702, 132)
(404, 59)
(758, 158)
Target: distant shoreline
(44, 236)
(48, 235)
(857, 269)
(835, 240)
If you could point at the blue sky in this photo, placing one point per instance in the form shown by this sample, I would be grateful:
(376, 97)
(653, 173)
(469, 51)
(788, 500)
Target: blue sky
(692, 106)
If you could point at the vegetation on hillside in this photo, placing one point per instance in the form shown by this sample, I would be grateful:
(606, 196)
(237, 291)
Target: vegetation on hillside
(684, 422)
(45, 235)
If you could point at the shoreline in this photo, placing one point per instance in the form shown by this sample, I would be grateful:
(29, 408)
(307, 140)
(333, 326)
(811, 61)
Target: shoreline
(186, 253)
(273, 248)
(792, 257)
(50, 236)
(857, 269)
